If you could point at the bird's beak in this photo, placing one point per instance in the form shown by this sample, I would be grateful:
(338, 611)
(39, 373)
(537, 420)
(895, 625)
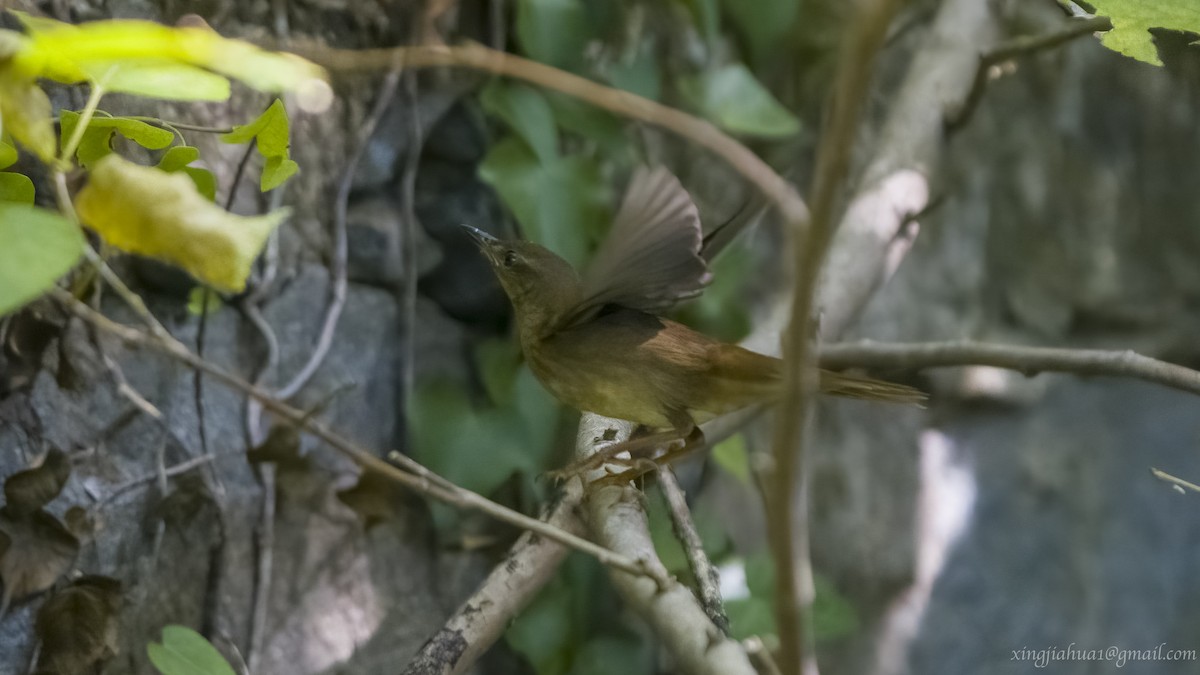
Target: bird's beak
(481, 238)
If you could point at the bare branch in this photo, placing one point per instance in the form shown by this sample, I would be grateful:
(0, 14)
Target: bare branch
(1028, 360)
(708, 581)
(1021, 46)
(1179, 483)
(618, 521)
(478, 57)
(787, 515)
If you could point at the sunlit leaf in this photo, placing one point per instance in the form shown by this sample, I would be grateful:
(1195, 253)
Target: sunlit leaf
(96, 141)
(178, 157)
(561, 205)
(16, 187)
(735, 100)
(276, 171)
(270, 130)
(155, 78)
(183, 651)
(25, 111)
(150, 212)
(146, 58)
(8, 155)
(39, 247)
(1133, 19)
(271, 134)
(205, 182)
(146, 135)
(202, 300)
(526, 111)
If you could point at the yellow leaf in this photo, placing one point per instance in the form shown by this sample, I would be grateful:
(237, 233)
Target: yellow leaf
(25, 113)
(98, 50)
(143, 210)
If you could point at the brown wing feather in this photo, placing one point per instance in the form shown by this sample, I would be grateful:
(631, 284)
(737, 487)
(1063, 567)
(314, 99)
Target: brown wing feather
(651, 257)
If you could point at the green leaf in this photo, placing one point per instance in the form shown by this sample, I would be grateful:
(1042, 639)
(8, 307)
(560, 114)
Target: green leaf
(276, 171)
(561, 205)
(15, 187)
(25, 111)
(526, 112)
(146, 135)
(762, 23)
(203, 300)
(8, 155)
(1133, 19)
(732, 98)
(206, 183)
(271, 133)
(638, 73)
(481, 446)
(185, 652)
(39, 247)
(166, 80)
(601, 127)
(707, 17)
(270, 129)
(543, 633)
(833, 615)
(554, 31)
(732, 456)
(178, 157)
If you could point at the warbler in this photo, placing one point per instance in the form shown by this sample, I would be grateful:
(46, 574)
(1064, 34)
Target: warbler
(599, 344)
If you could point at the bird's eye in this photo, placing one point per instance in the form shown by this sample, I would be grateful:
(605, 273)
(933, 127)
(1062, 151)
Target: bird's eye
(510, 258)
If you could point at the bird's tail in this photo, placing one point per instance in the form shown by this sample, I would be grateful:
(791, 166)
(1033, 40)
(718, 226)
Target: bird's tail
(870, 389)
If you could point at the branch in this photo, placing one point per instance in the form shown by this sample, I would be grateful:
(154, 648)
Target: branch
(1028, 360)
(1021, 46)
(1179, 483)
(708, 581)
(618, 522)
(787, 515)
(483, 618)
(478, 57)
(410, 474)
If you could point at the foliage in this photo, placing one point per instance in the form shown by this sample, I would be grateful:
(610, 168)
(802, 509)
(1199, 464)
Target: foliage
(39, 247)
(138, 209)
(271, 137)
(183, 651)
(1133, 19)
(150, 212)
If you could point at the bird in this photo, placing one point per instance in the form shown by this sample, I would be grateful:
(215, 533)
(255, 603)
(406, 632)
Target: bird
(598, 341)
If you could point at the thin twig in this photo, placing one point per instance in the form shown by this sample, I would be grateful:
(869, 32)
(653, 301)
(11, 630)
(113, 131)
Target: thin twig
(265, 542)
(760, 656)
(167, 472)
(408, 204)
(708, 581)
(337, 265)
(1179, 483)
(1021, 46)
(1028, 360)
(787, 517)
(478, 57)
(412, 475)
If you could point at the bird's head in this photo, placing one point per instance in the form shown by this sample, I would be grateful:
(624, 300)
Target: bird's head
(540, 284)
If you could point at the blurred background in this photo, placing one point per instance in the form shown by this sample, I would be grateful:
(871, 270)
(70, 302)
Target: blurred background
(1011, 514)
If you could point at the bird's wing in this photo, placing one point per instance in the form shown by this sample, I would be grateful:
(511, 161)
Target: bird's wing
(651, 257)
